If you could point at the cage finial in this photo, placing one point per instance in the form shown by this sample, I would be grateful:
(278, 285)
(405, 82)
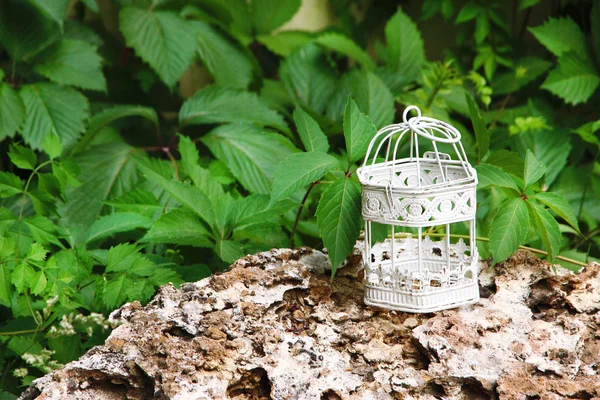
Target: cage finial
(407, 110)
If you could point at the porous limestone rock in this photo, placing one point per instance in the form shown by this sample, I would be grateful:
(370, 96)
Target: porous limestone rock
(275, 327)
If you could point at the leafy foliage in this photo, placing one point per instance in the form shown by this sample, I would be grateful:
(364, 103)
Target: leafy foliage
(158, 141)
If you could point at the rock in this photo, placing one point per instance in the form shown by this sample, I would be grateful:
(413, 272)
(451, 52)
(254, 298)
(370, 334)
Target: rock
(274, 326)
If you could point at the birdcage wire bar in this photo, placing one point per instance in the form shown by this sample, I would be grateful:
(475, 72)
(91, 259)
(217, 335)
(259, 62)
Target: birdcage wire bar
(420, 191)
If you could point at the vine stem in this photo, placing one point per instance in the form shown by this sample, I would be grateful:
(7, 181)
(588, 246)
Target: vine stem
(17, 333)
(293, 233)
(485, 239)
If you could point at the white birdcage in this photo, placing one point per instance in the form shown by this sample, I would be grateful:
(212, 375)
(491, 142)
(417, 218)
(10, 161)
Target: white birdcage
(428, 192)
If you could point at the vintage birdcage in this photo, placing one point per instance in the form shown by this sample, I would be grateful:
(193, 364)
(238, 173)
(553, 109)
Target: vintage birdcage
(431, 192)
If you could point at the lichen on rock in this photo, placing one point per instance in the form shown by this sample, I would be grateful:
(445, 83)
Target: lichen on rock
(274, 326)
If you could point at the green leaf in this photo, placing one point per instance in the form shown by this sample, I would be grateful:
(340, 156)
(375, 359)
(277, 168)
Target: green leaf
(229, 250)
(109, 115)
(162, 39)
(560, 36)
(285, 43)
(5, 285)
(225, 213)
(534, 170)
(574, 80)
(358, 131)
(36, 252)
(214, 104)
(225, 61)
(587, 132)
(116, 222)
(22, 157)
(299, 170)
(115, 291)
(12, 111)
(342, 44)
(256, 208)
(200, 176)
(508, 229)
(38, 283)
(72, 62)
(52, 108)
(107, 171)
(22, 276)
(163, 276)
(56, 10)
(547, 227)
(24, 31)
(268, 15)
(10, 185)
(338, 218)
(468, 12)
(179, 227)
(482, 135)
(142, 290)
(310, 132)
(405, 50)
(42, 230)
(523, 4)
(126, 257)
(559, 204)
(242, 148)
(308, 77)
(137, 201)
(490, 175)
(508, 161)
(371, 95)
(524, 71)
(188, 196)
(52, 145)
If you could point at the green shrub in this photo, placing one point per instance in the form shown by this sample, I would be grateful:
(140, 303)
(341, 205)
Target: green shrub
(148, 142)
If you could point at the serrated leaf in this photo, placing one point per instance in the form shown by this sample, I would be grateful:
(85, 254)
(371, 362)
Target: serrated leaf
(268, 15)
(21, 276)
(72, 62)
(256, 208)
(10, 185)
(482, 135)
(126, 257)
(225, 61)
(142, 290)
(22, 157)
(370, 93)
(116, 222)
(38, 283)
(163, 276)
(24, 30)
(242, 149)
(107, 171)
(308, 77)
(405, 50)
(574, 80)
(490, 175)
(214, 104)
(587, 132)
(299, 170)
(310, 132)
(5, 285)
(12, 111)
(56, 10)
(109, 115)
(338, 218)
(560, 36)
(358, 131)
(52, 145)
(559, 204)
(547, 227)
(179, 227)
(285, 43)
(534, 170)
(508, 161)
(344, 45)
(188, 196)
(36, 252)
(137, 201)
(115, 291)
(161, 38)
(229, 250)
(42, 230)
(52, 108)
(200, 177)
(508, 229)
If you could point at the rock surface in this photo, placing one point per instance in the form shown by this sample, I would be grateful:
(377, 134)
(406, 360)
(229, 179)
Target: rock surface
(275, 327)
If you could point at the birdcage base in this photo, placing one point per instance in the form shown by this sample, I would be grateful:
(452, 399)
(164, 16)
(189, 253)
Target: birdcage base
(424, 302)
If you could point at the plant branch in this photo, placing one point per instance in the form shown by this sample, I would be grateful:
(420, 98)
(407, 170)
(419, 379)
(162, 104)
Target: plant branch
(293, 233)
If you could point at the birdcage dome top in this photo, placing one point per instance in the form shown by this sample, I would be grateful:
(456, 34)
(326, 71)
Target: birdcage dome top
(436, 158)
